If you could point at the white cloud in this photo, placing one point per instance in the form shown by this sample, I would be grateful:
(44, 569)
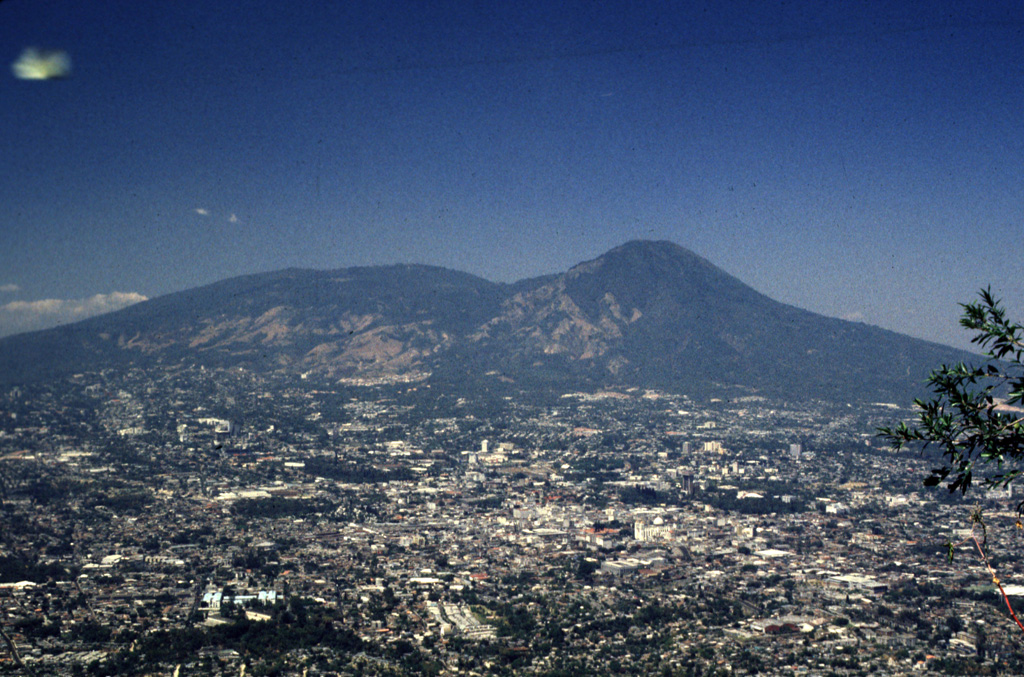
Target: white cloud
(855, 316)
(42, 64)
(9, 288)
(43, 307)
(20, 316)
(202, 211)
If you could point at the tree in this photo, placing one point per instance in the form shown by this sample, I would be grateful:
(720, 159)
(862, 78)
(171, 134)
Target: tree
(964, 418)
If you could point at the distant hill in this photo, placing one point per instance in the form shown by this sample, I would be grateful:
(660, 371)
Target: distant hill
(645, 314)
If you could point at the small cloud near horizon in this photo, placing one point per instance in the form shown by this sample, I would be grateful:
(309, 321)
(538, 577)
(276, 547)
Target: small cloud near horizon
(855, 316)
(202, 211)
(21, 316)
(9, 288)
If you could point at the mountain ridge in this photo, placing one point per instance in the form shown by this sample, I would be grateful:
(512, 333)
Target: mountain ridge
(644, 314)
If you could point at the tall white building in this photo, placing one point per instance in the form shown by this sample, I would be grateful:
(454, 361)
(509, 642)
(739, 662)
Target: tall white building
(714, 447)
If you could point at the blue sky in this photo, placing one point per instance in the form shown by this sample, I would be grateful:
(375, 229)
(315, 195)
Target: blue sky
(858, 159)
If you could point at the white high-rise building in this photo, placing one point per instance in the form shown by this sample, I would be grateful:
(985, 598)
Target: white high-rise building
(714, 447)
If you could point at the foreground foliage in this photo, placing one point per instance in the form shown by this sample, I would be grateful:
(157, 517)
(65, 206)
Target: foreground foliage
(971, 417)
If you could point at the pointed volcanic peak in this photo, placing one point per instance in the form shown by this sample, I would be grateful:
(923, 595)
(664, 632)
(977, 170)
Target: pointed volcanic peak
(654, 277)
(640, 290)
(677, 298)
(654, 314)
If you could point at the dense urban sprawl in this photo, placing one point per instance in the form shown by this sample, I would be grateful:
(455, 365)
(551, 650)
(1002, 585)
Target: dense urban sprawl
(194, 521)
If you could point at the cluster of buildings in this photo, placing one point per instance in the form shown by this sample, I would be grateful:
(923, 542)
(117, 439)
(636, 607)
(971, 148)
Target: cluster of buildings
(386, 529)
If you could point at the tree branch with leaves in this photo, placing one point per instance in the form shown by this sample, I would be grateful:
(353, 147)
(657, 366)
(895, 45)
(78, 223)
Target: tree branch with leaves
(971, 418)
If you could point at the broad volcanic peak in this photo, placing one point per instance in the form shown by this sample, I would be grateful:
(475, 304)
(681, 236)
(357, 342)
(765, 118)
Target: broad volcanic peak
(367, 321)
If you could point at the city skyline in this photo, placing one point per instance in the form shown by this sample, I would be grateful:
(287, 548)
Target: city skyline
(859, 164)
